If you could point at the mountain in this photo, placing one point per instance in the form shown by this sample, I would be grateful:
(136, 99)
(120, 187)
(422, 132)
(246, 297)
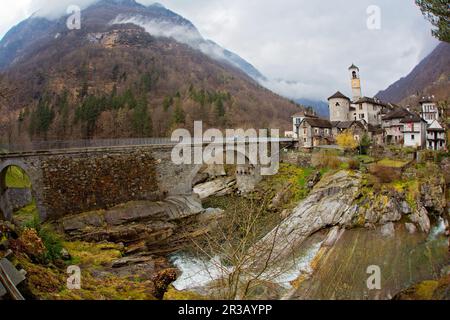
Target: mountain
(320, 107)
(130, 71)
(430, 77)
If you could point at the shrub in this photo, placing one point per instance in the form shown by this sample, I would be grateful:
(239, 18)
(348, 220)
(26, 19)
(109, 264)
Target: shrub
(353, 164)
(326, 160)
(346, 141)
(385, 174)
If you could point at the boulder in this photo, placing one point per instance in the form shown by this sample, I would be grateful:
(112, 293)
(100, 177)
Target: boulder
(420, 217)
(388, 230)
(140, 225)
(411, 227)
(217, 187)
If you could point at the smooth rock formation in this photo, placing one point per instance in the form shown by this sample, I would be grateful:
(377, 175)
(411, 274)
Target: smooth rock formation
(143, 225)
(217, 187)
(329, 204)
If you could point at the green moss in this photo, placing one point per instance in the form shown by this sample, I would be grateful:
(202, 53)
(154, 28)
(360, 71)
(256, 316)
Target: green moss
(27, 216)
(173, 294)
(411, 190)
(365, 159)
(93, 254)
(17, 178)
(392, 163)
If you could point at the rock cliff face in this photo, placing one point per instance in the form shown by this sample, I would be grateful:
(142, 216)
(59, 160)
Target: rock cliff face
(343, 200)
(143, 225)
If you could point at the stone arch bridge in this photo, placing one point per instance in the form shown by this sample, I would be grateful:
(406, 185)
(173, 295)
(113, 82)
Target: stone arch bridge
(69, 179)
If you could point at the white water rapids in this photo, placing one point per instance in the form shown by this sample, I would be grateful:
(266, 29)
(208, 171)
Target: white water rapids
(198, 273)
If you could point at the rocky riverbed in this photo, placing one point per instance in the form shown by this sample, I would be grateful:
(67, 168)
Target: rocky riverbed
(317, 233)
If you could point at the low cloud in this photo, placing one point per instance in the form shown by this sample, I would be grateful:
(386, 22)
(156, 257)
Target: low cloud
(310, 44)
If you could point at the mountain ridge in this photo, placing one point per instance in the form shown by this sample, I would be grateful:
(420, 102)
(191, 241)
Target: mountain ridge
(114, 80)
(430, 77)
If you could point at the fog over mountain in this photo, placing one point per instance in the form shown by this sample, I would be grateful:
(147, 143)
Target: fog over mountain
(309, 45)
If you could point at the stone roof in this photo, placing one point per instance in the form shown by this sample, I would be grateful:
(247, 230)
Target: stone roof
(302, 114)
(375, 129)
(371, 100)
(318, 123)
(346, 124)
(353, 67)
(412, 117)
(427, 99)
(339, 95)
(398, 113)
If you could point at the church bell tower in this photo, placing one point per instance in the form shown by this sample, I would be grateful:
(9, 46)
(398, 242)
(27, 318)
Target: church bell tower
(356, 82)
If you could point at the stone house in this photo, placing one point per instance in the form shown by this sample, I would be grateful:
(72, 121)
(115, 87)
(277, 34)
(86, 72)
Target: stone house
(414, 131)
(435, 138)
(358, 128)
(297, 120)
(314, 132)
(393, 126)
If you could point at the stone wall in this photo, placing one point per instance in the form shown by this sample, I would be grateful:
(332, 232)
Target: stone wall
(18, 198)
(297, 158)
(81, 182)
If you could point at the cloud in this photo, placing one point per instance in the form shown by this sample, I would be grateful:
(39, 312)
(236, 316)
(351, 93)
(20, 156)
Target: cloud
(182, 33)
(308, 44)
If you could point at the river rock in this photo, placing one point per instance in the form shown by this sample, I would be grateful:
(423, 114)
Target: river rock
(411, 227)
(142, 225)
(420, 217)
(388, 230)
(329, 204)
(217, 187)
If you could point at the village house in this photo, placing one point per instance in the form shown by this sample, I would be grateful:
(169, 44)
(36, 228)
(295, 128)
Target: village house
(358, 128)
(435, 135)
(315, 132)
(393, 126)
(436, 139)
(414, 131)
(384, 123)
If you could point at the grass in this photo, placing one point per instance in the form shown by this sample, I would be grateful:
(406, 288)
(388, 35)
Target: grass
(392, 163)
(91, 254)
(27, 216)
(411, 190)
(17, 178)
(365, 159)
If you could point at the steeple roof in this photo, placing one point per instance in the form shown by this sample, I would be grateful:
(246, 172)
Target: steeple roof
(339, 95)
(353, 67)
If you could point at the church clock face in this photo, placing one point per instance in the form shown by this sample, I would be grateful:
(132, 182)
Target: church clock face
(356, 83)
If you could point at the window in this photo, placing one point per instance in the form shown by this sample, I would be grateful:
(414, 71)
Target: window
(354, 75)
(413, 137)
(338, 104)
(304, 132)
(360, 107)
(305, 140)
(316, 131)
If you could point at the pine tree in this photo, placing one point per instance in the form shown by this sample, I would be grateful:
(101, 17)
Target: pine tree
(438, 13)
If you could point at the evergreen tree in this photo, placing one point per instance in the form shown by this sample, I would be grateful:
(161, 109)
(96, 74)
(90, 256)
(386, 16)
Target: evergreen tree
(142, 123)
(178, 115)
(438, 13)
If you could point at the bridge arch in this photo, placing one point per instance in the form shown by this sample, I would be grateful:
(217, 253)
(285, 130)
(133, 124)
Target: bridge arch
(247, 175)
(6, 206)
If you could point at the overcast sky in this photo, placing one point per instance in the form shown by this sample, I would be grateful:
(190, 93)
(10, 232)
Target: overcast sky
(304, 47)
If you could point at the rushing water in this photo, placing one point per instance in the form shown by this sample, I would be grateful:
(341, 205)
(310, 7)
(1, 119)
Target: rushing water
(405, 259)
(197, 272)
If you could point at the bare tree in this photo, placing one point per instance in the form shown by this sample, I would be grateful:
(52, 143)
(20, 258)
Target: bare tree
(231, 248)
